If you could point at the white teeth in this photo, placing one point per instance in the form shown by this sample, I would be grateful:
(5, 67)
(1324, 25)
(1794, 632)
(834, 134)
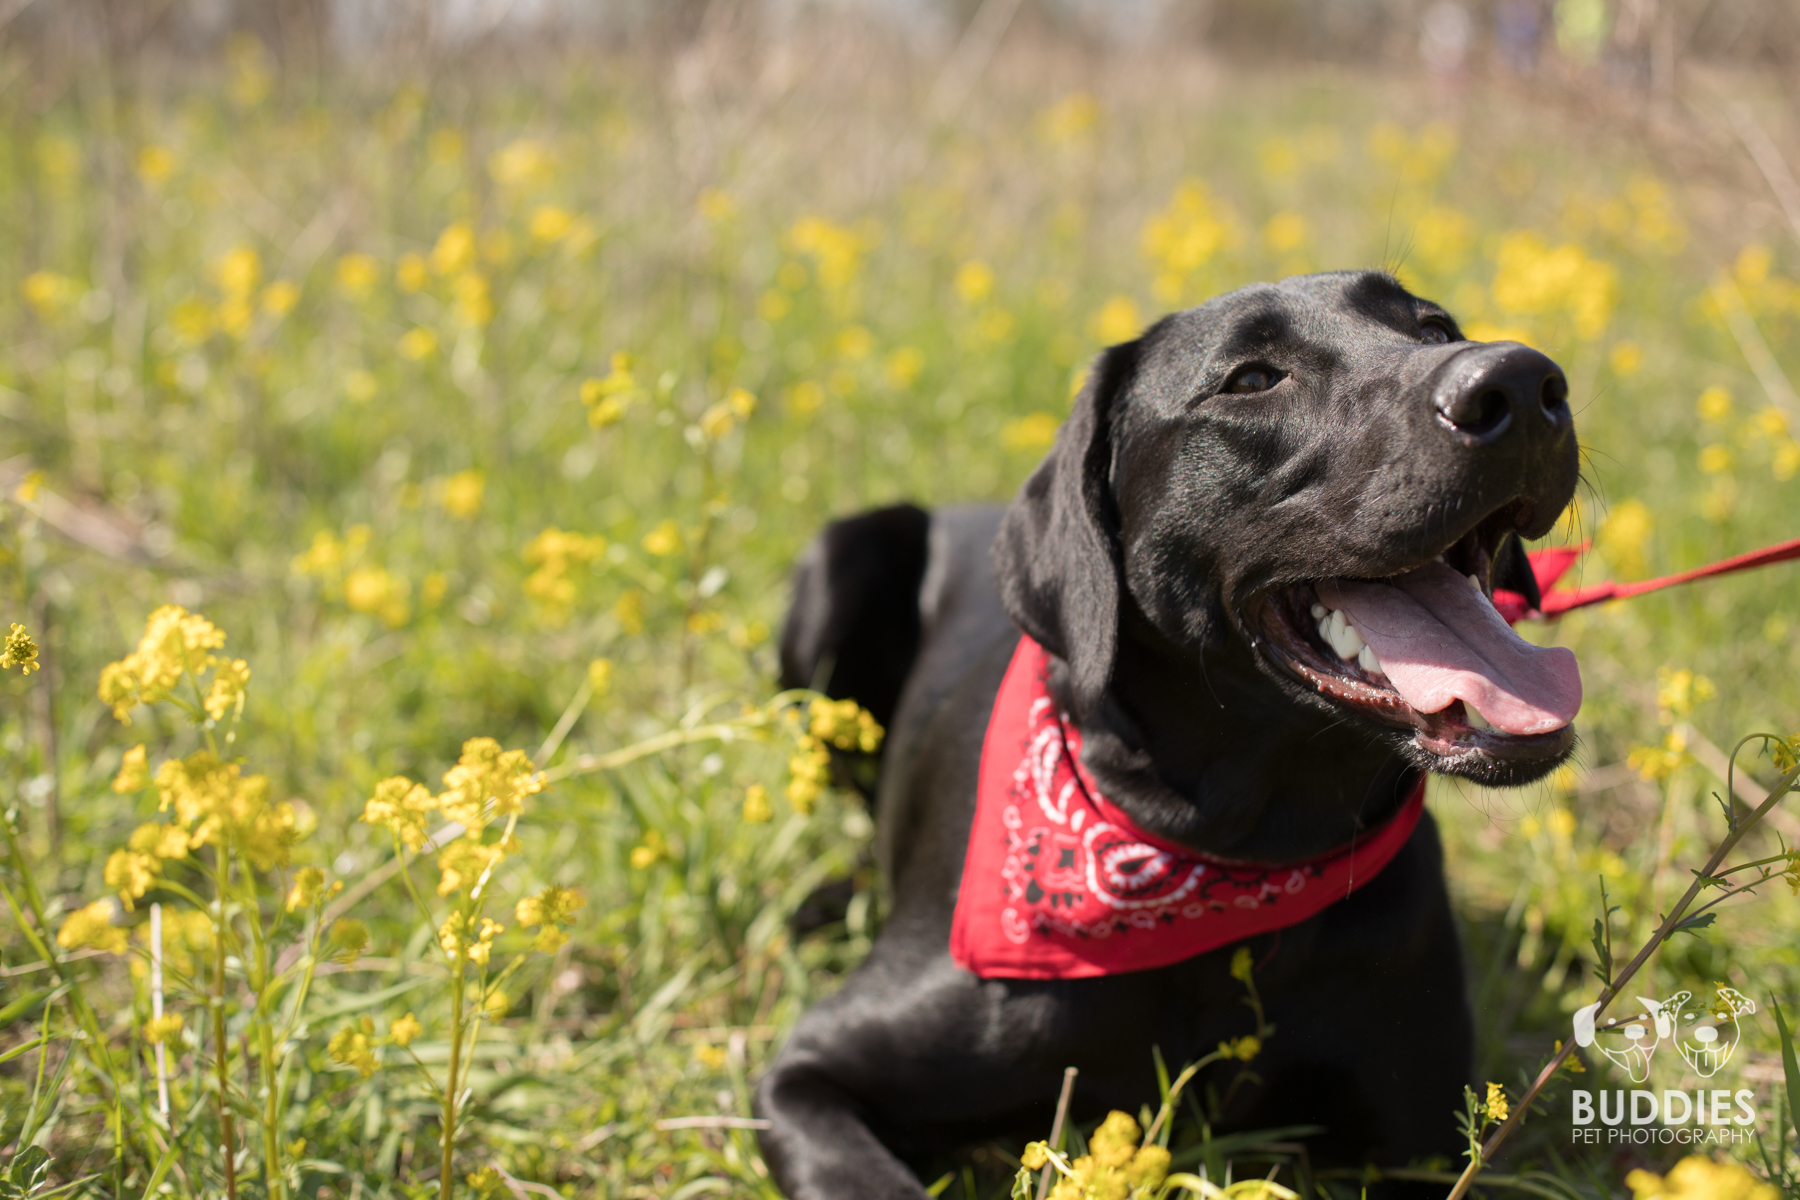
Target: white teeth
(1475, 719)
(1319, 612)
(1367, 660)
(1341, 635)
(1474, 582)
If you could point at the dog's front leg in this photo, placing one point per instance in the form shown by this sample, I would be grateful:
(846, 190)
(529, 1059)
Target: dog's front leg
(913, 1058)
(817, 1145)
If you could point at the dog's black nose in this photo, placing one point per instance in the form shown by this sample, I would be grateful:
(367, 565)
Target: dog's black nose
(1501, 387)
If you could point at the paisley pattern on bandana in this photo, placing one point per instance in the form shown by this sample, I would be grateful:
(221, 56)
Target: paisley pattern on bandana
(1058, 884)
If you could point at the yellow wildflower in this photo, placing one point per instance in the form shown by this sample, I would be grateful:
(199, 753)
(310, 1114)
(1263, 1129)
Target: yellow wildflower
(309, 883)
(1699, 1178)
(159, 840)
(412, 272)
(373, 589)
(1117, 321)
(756, 804)
(227, 688)
(1496, 1106)
(1148, 1168)
(417, 343)
(974, 281)
(652, 851)
(1622, 535)
(521, 164)
(155, 164)
(904, 366)
(836, 251)
(27, 493)
(549, 223)
(716, 421)
(462, 493)
(455, 249)
(1179, 241)
(1679, 692)
(606, 399)
(809, 770)
(134, 771)
(357, 275)
(92, 927)
(474, 298)
(237, 271)
(483, 948)
(496, 1005)
(130, 874)
(664, 540)
(1656, 763)
(600, 673)
(1034, 431)
(405, 1030)
(1532, 278)
(19, 651)
(279, 298)
(553, 906)
(174, 641)
(845, 724)
(1284, 232)
(1243, 1049)
(346, 940)
(351, 1047)
(163, 1028)
(1036, 1156)
(488, 782)
(1242, 964)
(463, 862)
(1715, 459)
(215, 802)
(403, 807)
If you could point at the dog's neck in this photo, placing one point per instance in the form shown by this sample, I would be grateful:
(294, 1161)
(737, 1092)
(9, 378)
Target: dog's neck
(1210, 753)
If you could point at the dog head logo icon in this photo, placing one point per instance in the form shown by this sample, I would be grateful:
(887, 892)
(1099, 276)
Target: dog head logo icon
(1708, 1035)
(1632, 1043)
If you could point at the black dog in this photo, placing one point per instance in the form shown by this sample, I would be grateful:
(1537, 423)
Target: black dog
(1326, 442)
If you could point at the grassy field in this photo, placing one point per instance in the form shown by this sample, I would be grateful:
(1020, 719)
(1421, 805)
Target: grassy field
(493, 402)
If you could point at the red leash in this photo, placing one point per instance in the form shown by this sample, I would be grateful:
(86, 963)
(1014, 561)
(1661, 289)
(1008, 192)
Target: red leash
(1550, 566)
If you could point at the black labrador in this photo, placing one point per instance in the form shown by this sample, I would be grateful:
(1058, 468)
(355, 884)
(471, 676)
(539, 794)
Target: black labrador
(1329, 441)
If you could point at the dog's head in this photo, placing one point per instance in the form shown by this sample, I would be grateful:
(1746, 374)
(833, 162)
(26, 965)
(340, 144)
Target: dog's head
(1315, 469)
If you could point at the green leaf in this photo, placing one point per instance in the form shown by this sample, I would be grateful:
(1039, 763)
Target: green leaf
(25, 1174)
(1693, 925)
(24, 1004)
(1789, 1067)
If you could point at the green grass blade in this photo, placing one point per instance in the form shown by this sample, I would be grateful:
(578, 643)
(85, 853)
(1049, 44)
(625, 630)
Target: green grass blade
(1789, 1066)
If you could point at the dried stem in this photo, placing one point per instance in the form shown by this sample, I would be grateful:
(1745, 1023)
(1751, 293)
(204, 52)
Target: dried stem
(1702, 879)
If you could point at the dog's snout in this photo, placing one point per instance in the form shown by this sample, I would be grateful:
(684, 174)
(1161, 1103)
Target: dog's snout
(1501, 389)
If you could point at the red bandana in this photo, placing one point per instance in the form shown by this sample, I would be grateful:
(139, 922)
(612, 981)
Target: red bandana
(1059, 884)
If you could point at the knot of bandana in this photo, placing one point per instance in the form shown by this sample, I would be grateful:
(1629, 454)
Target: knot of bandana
(1058, 883)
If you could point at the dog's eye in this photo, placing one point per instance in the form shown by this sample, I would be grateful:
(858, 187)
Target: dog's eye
(1254, 378)
(1435, 333)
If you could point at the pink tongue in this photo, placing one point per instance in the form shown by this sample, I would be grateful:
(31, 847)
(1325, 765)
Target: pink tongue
(1441, 640)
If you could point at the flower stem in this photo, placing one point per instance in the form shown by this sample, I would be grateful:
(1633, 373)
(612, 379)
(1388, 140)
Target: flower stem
(222, 1047)
(458, 983)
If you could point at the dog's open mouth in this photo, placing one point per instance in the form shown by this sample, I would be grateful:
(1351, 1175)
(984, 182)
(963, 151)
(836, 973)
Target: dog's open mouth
(1426, 650)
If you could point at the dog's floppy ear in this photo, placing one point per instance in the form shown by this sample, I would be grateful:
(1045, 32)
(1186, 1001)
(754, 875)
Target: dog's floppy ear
(1057, 555)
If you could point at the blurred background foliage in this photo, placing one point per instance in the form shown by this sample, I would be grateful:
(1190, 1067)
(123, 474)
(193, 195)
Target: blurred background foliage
(459, 360)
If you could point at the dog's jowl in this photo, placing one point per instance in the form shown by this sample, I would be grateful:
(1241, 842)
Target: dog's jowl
(1178, 698)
